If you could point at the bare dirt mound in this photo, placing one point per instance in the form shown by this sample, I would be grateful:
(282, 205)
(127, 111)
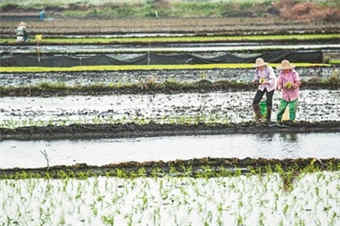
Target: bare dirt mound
(309, 11)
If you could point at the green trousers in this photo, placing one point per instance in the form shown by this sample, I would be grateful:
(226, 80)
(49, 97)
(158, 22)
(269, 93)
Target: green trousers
(292, 109)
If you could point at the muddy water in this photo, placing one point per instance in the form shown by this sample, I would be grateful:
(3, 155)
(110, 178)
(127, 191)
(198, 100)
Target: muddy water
(105, 151)
(314, 105)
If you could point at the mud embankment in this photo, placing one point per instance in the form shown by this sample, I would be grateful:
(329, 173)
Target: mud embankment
(88, 131)
(205, 167)
(148, 88)
(124, 78)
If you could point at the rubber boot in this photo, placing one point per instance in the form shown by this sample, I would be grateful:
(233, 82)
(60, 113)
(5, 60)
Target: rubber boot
(257, 112)
(269, 114)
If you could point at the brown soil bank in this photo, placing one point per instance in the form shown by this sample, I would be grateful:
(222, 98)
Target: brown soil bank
(90, 131)
(206, 167)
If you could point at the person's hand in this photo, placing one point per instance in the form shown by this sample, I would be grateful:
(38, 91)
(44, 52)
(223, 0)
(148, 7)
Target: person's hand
(288, 85)
(262, 81)
(295, 86)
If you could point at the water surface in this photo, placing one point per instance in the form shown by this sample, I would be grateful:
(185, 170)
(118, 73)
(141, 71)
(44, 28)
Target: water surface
(104, 151)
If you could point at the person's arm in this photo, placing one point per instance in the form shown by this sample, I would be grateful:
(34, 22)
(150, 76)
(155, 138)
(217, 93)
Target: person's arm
(272, 77)
(297, 81)
(256, 77)
(19, 31)
(279, 83)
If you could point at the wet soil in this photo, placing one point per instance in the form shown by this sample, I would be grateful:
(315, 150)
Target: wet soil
(314, 105)
(101, 79)
(147, 89)
(91, 131)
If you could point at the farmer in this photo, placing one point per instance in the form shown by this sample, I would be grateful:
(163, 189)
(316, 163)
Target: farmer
(266, 81)
(42, 15)
(21, 32)
(289, 83)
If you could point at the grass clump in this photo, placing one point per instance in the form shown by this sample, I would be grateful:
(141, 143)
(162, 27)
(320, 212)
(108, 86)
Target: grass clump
(50, 86)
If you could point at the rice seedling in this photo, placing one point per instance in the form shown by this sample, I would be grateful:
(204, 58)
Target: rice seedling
(209, 199)
(180, 120)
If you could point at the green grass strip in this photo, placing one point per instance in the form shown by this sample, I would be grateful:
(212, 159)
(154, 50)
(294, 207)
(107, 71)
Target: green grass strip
(122, 40)
(334, 61)
(142, 67)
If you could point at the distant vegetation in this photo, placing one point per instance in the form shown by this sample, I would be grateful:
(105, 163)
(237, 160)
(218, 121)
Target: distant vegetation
(287, 9)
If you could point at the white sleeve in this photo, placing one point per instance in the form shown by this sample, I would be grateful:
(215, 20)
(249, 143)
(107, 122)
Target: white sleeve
(272, 76)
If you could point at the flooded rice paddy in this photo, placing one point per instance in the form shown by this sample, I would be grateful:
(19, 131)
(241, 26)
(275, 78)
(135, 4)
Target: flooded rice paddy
(166, 200)
(241, 200)
(259, 199)
(106, 200)
(314, 105)
(28, 154)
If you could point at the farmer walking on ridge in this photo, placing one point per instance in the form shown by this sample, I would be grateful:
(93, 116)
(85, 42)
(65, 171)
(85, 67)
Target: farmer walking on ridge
(266, 81)
(289, 83)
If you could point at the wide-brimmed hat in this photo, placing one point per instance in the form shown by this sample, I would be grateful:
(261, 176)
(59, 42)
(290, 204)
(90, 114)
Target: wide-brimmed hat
(260, 62)
(22, 24)
(285, 65)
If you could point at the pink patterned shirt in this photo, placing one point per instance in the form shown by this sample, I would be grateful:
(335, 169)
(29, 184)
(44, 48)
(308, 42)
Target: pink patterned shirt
(293, 77)
(268, 75)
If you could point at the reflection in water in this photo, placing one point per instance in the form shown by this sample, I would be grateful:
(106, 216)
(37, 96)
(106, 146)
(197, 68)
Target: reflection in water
(283, 137)
(290, 143)
(264, 137)
(284, 143)
(289, 137)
